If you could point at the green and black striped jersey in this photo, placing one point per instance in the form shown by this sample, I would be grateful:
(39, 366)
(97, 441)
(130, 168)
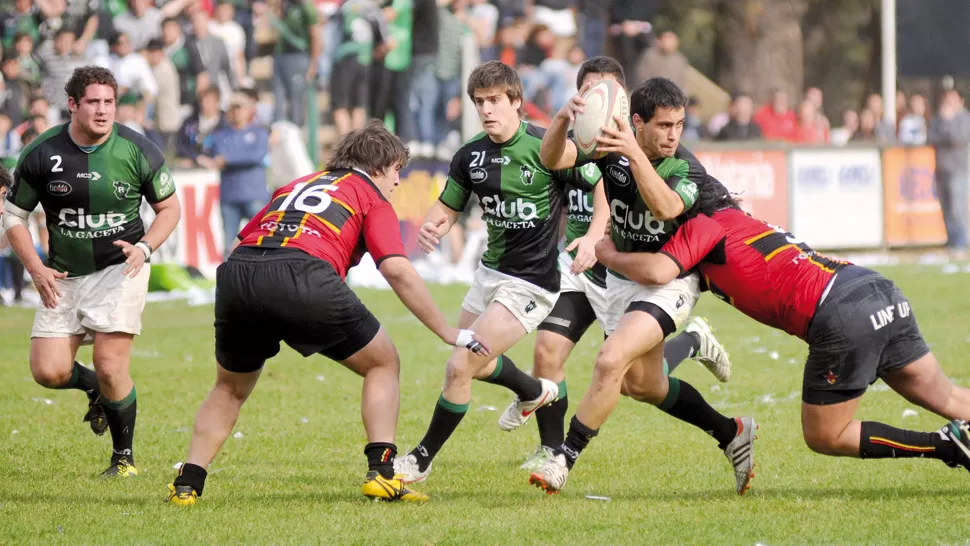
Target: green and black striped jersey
(522, 202)
(91, 198)
(633, 226)
(579, 214)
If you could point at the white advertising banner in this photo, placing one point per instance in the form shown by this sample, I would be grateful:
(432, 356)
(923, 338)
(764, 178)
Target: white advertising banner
(836, 198)
(197, 241)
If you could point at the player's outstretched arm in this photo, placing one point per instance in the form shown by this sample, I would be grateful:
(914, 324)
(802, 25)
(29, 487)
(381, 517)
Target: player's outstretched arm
(437, 224)
(558, 152)
(646, 268)
(414, 294)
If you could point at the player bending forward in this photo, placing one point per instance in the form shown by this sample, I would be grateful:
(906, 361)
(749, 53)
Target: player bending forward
(582, 296)
(90, 176)
(650, 180)
(285, 281)
(859, 327)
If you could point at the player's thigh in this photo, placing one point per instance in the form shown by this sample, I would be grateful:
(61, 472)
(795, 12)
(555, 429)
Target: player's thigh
(473, 305)
(528, 303)
(670, 304)
(112, 352)
(378, 353)
(500, 329)
(245, 335)
(63, 320)
(113, 301)
(636, 335)
(845, 343)
(822, 424)
(51, 358)
(922, 382)
(239, 385)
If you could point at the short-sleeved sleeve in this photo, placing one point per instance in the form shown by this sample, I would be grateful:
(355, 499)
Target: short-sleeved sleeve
(382, 233)
(23, 194)
(584, 178)
(684, 181)
(156, 181)
(458, 188)
(693, 241)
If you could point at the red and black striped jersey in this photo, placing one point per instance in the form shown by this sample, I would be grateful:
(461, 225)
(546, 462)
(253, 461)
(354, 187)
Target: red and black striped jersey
(336, 216)
(763, 271)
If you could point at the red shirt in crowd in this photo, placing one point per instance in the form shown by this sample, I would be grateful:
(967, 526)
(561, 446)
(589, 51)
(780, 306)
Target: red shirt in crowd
(775, 126)
(336, 216)
(760, 269)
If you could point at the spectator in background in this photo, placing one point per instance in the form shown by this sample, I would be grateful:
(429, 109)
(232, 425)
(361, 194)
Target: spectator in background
(57, 66)
(9, 140)
(197, 127)
(912, 125)
(215, 56)
(390, 77)
(233, 37)
(884, 130)
(868, 123)
(592, 19)
(850, 125)
(16, 90)
(296, 55)
(815, 95)
(901, 106)
(39, 107)
(185, 55)
(21, 21)
(143, 21)
(810, 129)
(740, 126)
(130, 69)
(424, 80)
(693, 126)
(167, 115)
(664, 60)
(29, 66)
(354, 75)
(125, 112)
(558, 15)
(630, 30)
(483, 20)
(776, 120)
(447, 112)
(949, 133)
(239, 151)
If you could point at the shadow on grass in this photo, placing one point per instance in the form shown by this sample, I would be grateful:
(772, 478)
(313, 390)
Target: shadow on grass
(801, 493)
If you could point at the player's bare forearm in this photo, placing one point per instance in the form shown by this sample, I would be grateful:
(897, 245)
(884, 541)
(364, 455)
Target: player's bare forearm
(413, 293)
(167, 216)
(663, 202)
(601, 211)
(23, 246)
(646, 268)
(439, 210)
(557, 152)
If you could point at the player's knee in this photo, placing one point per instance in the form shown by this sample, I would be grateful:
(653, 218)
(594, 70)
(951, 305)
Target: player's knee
(111, 370)
(50, 376)
(821, 441)
(458, 369)
(610, 363)
(546, 361)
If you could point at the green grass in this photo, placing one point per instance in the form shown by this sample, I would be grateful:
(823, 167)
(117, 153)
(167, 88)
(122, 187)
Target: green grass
(286, 481)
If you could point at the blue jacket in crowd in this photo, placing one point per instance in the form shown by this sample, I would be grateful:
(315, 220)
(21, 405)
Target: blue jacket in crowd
(246, 152)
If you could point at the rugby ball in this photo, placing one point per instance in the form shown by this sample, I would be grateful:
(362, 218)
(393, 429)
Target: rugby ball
(604, 100)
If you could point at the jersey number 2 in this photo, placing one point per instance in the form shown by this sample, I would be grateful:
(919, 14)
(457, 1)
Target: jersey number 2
(313, 201)
(57, 164)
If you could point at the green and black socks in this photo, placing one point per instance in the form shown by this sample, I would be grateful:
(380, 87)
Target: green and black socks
(121, 422)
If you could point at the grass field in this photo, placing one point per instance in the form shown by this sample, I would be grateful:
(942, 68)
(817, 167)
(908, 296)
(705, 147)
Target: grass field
(294, 476)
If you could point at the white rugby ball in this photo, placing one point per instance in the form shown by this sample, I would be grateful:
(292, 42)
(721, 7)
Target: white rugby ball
(604, 100)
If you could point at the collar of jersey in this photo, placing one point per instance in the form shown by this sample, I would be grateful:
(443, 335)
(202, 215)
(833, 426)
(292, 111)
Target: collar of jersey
(85, 149)
(518, 133)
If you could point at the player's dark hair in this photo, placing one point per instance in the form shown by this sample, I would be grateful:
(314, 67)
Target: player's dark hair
(712, 197)
(495, 75)
(6, 181)
(89, 75)
(656, 93)
(601, 64)
(372, 149)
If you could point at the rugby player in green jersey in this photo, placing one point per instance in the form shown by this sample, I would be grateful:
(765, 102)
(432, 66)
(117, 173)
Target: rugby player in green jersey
(582, 296)
(650, 181)
(90, 175)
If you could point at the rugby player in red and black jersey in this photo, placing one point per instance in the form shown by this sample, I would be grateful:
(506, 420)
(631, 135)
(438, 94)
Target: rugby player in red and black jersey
(859, 327)
(285, 281)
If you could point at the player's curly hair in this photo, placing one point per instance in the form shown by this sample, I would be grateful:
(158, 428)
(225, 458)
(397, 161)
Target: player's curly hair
(495, 75)
(6, 181)
(89, 75)
(712, 197)
(372, 149)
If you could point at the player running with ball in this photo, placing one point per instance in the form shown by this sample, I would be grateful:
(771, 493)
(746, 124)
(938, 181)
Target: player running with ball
(858, 325)
(284, 281)
(582, 297)
(650, 180)
(91, 175)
